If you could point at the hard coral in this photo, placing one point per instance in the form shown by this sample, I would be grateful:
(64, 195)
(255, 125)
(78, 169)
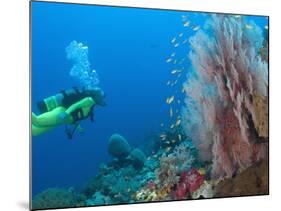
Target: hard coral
(116, 185)
(57, 198)
(118, 146)
(146, 195)
(137, 158)
(167, 172)
(151, 192)
(180, 159)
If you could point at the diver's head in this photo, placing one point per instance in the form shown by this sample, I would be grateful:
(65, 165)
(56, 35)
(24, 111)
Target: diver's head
(97, 94)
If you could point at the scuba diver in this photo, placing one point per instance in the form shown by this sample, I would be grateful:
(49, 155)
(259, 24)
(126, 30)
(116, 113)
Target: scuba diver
(67, 108)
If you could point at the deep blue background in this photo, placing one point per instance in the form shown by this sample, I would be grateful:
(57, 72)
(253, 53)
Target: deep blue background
(128, 48)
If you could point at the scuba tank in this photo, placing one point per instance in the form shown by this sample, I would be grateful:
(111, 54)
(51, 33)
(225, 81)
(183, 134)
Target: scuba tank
(65, 98)
(50, 103)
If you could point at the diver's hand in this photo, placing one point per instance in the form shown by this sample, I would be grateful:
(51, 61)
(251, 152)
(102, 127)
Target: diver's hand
(85, 102)
(88, 101)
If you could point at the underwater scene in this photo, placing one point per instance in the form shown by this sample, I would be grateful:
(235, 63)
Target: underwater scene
(133, 105)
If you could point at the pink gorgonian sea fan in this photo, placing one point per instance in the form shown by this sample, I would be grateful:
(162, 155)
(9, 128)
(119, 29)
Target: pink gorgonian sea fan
(226, 105)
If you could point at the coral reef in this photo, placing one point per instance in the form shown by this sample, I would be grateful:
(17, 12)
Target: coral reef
(98, 199)
(171, 165)
(206, 190)
(146, 194)
(176, 174)
(137, 158)
(216, 147)
(167, 173)
(193, 180)
(118, 146)
(188, 183)
(57, 198)
(121, 178)
(227, 95)
(124, 155)
(116, 184)
(185, 154)
(170, 168)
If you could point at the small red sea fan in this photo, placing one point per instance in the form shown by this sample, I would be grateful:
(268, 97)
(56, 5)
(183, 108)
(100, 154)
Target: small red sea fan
(181, 191)
(194, 180)
(182, 187)
(189, 182)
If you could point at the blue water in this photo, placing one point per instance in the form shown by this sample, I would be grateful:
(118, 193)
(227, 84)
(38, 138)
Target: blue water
(128, 48)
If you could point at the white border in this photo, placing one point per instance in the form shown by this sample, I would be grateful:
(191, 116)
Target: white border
(14, 19)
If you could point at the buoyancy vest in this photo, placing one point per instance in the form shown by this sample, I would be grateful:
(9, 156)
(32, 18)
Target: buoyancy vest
(66, 98)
